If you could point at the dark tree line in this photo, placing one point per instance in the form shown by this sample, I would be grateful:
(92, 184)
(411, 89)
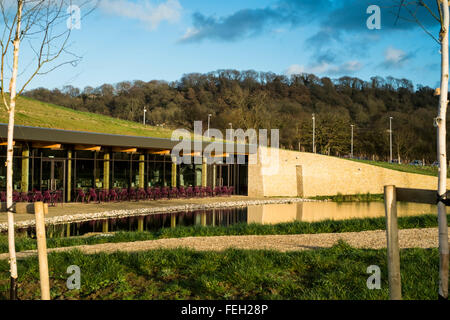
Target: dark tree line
(250, 99)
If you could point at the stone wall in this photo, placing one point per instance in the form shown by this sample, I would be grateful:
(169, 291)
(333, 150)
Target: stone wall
(307, 175)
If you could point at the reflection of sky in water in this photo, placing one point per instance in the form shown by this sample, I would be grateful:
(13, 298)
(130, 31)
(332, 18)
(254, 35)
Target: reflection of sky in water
(263, 214)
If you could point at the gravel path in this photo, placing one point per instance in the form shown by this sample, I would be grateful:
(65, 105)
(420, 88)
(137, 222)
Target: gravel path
(408, 238)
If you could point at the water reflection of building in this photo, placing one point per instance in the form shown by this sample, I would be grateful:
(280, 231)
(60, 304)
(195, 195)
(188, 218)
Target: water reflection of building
(275, 213)
(318, 211)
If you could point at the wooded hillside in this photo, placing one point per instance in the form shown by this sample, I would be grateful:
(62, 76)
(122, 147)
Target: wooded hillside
(250, 99)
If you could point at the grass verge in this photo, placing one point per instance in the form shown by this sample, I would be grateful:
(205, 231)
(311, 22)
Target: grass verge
(297, 227)
(426, 170)
(335, 273)
(360, 197)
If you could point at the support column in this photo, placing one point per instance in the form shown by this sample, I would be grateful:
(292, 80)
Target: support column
(105, 226)
(204, 173)
(141, 170)
(106, 157)
(173, 220)
(203, 219)
(25, 169)
(69, 177)
(174, 172)
(141, 224)
(214, 175)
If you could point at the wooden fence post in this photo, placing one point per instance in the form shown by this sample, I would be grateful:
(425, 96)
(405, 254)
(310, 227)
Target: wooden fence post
(393, 253)
(42, 250)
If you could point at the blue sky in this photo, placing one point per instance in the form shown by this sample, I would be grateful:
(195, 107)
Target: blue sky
(164, 39)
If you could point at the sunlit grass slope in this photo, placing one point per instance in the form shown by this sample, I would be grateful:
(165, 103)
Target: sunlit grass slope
(426, 170)
(30, 112)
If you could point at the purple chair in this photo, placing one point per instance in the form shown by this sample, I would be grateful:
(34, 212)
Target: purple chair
(217, 191)
(123, 196)
(182, 192)
(37, 196)
(208, 191)
(197, 192)
(157, 193)
(80, 195)
(103, 195)
(227, 191)
(165, 192)
(16, 196)
(24, 197)
(189, 192)
(149, 193)
(132, 194)
(48, 198)
(92, 195)
(141, 194)
(3, 196)
(57, 197)
(174, 192)
(113, 195)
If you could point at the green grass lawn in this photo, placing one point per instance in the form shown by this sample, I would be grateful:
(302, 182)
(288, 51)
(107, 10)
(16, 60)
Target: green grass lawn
(426, 170)
(335, 273)
(297, 227)
(30, 112)
(362, 197)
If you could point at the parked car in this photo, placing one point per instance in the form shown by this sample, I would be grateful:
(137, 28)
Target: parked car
(394, 161)
(435, 164)
(416, 163)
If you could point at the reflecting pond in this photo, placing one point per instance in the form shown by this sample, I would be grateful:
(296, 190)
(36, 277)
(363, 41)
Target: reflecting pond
(262, 214)
(317, 211)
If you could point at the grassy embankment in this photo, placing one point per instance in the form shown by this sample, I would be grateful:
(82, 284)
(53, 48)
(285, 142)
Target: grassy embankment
(335, 273)
(297, 227)
(30, 112)
(426, 170)
(360, 197)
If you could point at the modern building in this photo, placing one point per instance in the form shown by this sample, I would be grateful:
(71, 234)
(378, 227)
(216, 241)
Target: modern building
(53, 159)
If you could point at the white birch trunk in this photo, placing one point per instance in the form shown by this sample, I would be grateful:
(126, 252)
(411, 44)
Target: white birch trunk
(442, 155)
(9, 157)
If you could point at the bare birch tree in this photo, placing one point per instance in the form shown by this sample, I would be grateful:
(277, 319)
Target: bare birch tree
(441, 15)
(44, 26)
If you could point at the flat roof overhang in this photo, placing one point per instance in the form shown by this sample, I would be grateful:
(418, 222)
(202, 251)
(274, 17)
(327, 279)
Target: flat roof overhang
(48, 135)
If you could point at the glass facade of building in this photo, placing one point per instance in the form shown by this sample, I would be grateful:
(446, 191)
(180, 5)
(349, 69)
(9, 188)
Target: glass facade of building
(68, 170)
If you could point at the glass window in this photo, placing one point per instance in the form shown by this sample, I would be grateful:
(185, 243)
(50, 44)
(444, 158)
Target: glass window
(121, 173)
(84, 174)
(99, 169)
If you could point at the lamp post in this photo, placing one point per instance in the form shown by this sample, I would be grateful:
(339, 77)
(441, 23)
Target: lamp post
(390, 139)
(145, 110)
(209, 120)
(314, 132)
(352, 141)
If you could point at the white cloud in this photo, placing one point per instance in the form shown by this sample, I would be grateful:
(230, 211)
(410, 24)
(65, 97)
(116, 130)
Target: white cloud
(394, 55)
(190, 32)
(395, 58)
(348, 67)
(145, 11)
(295, 69)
